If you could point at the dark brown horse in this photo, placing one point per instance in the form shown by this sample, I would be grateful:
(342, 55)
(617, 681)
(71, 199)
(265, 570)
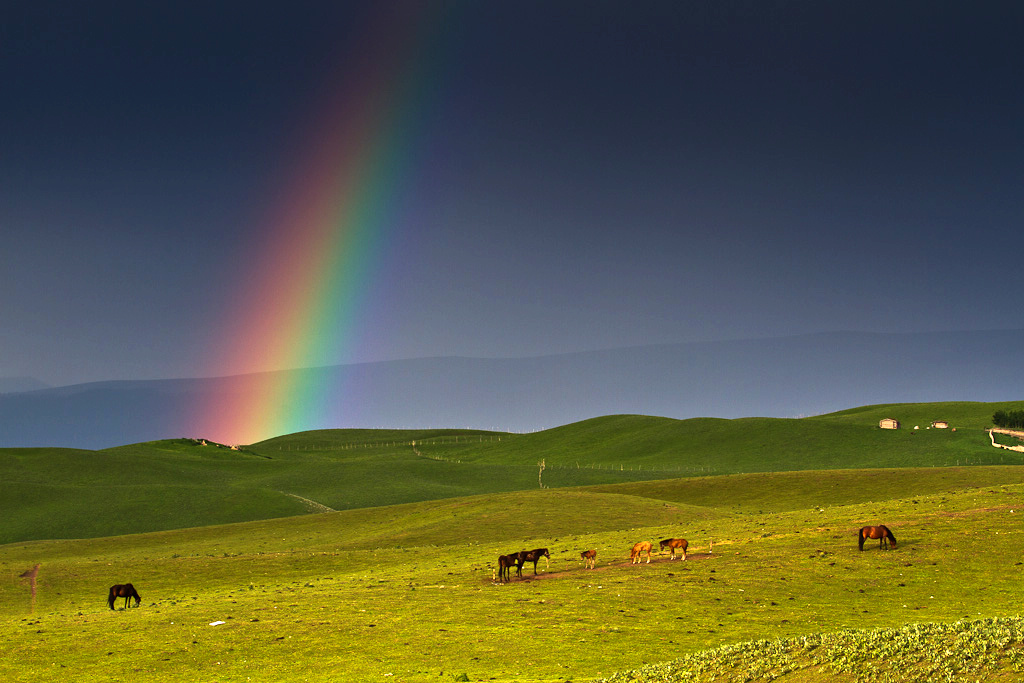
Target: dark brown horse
(589, 558)
(881, 532)
(534, 555)
(123, 590)
(674, 544)
(505, 564)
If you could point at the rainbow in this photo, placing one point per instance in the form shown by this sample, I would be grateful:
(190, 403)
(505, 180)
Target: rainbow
(311, 274)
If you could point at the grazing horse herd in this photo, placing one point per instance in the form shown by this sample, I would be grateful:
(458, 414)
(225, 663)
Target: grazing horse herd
(885, 537)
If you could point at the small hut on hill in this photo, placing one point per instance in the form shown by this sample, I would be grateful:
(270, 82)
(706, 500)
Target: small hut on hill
(940, 424)
(889, 423)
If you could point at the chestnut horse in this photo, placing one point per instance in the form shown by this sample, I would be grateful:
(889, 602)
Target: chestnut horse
(123, 590)
(638, 550)
(534, 555)
(881, 532)
(673, 544)
(589, 558)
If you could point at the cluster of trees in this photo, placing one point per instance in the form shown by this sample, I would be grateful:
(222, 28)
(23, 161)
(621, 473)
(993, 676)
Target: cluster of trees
(1011, 419)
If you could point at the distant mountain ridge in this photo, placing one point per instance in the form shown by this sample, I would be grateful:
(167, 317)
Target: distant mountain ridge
(775, 377)
(10, 385)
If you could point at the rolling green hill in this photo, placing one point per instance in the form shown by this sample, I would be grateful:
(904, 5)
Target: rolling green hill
(962, 414)
(62, 493)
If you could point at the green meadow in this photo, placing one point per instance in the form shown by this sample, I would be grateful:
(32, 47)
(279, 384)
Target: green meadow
(244, 576)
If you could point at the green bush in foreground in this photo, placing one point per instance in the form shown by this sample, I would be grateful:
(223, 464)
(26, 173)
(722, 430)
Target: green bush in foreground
(963, 650)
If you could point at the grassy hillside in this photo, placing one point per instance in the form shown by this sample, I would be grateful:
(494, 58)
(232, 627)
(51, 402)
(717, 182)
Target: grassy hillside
(783, 492)
(665, 447)
(405, 593)
(961, 414)
(61, 493)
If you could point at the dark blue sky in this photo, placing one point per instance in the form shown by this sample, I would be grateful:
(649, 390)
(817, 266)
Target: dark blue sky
(584, 174)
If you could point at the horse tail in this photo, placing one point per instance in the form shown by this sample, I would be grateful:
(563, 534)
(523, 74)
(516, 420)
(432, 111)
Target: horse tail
(110, 598)
(860, 538)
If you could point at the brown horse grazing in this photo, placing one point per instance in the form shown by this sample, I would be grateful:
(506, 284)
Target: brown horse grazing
(505, 564)
(589, 558)
(123, 590)
(881, 532)
(673, 544)
(638, 550)
(534, 555)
